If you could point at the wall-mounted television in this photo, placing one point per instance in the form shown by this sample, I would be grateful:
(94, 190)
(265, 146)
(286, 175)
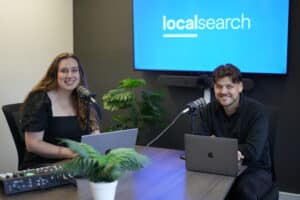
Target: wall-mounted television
(199, 35)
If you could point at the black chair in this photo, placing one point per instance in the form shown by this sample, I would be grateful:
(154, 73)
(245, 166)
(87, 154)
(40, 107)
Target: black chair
(273, 193)
(13, 116)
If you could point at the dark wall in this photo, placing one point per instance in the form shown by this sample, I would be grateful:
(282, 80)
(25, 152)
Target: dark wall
(103, 41)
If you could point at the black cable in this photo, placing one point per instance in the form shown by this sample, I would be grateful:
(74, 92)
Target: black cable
(164, 131)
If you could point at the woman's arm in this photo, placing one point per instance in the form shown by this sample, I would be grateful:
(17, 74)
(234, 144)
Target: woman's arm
(35, 144)
(95, 131)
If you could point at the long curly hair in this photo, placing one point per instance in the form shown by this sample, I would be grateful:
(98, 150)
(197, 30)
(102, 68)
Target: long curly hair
(49, 82)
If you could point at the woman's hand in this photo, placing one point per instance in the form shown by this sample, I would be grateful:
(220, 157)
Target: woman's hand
(35, 144)
(65, 152)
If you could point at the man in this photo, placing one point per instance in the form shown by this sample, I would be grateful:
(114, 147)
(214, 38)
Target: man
(233, 115)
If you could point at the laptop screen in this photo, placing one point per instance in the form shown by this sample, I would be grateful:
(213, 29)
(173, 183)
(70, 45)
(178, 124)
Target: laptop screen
(104, 142)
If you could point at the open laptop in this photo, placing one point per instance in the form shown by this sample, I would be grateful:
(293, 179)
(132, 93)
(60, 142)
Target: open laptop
(104, 142)
(212, 155)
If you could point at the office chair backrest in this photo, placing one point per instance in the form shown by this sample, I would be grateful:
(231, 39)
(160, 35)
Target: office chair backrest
(273, 193)
(12, 115)
(273, 118)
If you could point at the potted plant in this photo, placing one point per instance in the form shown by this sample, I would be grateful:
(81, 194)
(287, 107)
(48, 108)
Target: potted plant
(133, 106)
(102, 170)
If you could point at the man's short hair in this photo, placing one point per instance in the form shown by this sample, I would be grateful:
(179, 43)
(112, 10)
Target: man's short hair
(227, 70)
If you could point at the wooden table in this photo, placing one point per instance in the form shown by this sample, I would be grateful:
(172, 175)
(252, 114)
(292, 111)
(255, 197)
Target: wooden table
(164, 178)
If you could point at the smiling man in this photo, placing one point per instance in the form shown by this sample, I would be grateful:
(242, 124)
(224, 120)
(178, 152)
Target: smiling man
(233, 115)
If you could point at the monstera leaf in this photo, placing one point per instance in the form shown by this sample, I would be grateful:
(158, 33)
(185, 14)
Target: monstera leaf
(101, 168)
(133, 106)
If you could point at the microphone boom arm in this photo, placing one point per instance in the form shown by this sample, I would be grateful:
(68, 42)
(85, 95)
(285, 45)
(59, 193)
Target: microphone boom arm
(191, 108)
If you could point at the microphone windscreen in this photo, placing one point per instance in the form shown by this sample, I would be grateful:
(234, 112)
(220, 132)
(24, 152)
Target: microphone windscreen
(196, 104)
(82, 91)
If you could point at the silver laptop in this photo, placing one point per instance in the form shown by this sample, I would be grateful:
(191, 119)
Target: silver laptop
(104, 142)
(212, 155)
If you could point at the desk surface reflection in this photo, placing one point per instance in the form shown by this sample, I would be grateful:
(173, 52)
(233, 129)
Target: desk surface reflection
(164, 178)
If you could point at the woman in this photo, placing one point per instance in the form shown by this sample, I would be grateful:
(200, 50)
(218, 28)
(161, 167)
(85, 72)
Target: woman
(53, 110)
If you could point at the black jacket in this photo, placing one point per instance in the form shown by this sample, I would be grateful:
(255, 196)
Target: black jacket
(249, 124)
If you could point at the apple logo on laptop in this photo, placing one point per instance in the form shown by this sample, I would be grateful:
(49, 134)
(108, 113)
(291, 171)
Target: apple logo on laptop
(210, 155)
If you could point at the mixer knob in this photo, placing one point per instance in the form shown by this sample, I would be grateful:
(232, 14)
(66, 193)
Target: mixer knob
(70, 175)
(16, 186)
(64, 177)
(2, 175)
(9, 174)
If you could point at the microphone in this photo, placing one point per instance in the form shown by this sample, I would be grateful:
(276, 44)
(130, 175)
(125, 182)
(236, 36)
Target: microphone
(194, 105)
(84, 93)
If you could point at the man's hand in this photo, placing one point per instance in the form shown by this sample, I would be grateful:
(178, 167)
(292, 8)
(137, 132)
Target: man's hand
(240, 155)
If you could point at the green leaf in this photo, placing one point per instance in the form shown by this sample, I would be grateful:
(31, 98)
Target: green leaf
(83, 150)
(117, 99)
(122, 160)
(132, 83)
(97, 167)
(138, 107)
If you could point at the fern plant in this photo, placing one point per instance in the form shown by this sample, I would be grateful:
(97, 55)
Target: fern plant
(134, 106)
(101, 168)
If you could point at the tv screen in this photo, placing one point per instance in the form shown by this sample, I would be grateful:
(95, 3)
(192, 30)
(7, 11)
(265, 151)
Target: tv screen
(197, 36)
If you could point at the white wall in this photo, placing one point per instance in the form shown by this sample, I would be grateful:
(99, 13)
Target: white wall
(32, 33)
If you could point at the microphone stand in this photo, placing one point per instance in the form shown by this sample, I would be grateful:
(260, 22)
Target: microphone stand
(192, 108)
(87, 112)
(193, 115)
(193, 124)
(88, 103)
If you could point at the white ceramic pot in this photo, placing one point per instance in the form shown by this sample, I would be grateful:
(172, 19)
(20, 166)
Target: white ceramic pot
(104, 190)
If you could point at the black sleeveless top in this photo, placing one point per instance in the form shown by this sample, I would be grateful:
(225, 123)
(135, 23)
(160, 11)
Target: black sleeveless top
(37, 116)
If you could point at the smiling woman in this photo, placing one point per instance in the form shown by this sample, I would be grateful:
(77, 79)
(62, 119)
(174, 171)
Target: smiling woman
(53, 109)
(68, 76)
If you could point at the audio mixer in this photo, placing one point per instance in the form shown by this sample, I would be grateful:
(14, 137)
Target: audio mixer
(34, 179)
